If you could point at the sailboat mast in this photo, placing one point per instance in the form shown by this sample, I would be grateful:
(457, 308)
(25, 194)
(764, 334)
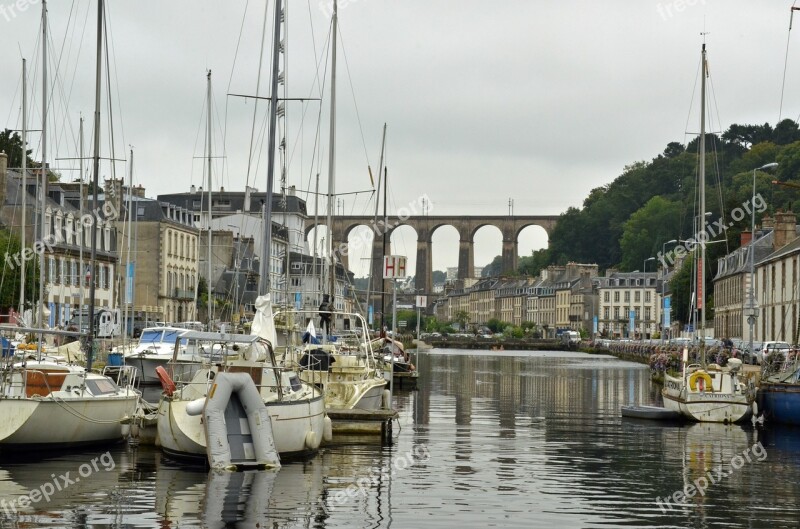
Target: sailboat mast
(385, 243)
(128, 276)
(266, 286)
(332, 155)
(43, 180)
(375, 218)
(701, 277)
(24, 181)
(81, 271)
(210, 209)
(95, 179)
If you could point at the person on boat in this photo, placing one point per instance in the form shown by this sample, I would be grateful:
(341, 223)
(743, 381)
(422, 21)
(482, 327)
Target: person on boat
(325, 313)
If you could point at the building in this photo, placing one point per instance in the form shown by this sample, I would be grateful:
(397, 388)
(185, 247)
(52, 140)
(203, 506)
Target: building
(64, 244)
(164, 250)
(776, 281)
(626, 297)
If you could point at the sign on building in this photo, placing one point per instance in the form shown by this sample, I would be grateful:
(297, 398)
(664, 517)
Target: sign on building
(394, 266)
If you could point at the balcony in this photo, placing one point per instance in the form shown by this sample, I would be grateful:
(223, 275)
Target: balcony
(183, 294)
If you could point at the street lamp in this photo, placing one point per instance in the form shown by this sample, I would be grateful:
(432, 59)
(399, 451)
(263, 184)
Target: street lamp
(644, 283)
(752, 306)
(663, 276)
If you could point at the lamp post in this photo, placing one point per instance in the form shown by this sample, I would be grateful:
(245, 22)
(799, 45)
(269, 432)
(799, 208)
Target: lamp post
(663, 303)
(644, 283)
(752, 306)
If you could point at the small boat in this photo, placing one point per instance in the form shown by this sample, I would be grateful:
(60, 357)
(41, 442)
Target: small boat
(344, 367)
(155, 348)
(779, 392)
(652, 413)
(50, 404)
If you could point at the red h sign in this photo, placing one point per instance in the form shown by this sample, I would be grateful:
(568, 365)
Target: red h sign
(394, 266)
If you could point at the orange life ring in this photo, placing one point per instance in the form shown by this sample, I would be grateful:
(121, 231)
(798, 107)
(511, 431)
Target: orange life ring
(705, 385)
(166, 382)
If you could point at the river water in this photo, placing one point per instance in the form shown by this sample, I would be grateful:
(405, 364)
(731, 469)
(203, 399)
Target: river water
(489, 439)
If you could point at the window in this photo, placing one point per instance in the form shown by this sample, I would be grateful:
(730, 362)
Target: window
(76, 279)
(616, 296)
(627, 296)
(647, 297)
(647, 313)
(606, 296)
(638, 296)
(606, 313)
(64, 274)
(616, 313)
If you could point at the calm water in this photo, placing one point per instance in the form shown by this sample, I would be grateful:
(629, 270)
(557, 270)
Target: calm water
(488, 440)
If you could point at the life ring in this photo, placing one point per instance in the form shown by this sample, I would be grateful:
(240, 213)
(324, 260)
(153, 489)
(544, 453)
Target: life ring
(166, 382)
(705, 385)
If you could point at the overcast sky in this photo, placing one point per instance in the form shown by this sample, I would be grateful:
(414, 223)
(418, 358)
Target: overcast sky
(484, 101)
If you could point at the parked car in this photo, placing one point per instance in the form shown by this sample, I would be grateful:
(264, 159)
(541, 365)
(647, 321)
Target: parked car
(768, 348)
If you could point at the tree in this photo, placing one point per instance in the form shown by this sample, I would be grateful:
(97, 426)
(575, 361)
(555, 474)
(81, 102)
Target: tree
(681, 287)
(461, 318)
(646, 231)
(493, 269)
(9, 286)
(439, 277)
(11, 144)
(495, 325)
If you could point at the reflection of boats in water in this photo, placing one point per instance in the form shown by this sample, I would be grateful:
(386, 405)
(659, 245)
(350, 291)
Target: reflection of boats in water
(238, 499)
(55, 489)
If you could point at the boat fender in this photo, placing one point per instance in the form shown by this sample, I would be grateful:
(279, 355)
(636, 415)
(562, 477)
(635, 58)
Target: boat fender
(195, 407)
(166, 382)
(706, 385)
(135, 432)
(126, 431)
(386, 404)
(327, 431)
(312, 440)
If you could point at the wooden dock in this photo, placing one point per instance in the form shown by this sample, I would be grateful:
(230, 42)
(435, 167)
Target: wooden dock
(405, 379)
(362, 423)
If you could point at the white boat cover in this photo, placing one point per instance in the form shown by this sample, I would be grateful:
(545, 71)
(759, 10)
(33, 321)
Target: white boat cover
(237, 425)
(263, 322)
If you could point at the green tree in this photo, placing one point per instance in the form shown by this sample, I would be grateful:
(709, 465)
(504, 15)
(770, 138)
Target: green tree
(11, 144)
(493, 269)
(495, 325)
(10, 282)
(681, 288)
(461, 318)
(645, 232)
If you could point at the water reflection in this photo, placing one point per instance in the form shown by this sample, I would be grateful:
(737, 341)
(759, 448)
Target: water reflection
(514, 440)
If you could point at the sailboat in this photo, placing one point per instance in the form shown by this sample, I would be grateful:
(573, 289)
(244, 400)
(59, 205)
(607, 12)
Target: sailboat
(296, 409)
(342, 365)
(707, 393)
(46, 402)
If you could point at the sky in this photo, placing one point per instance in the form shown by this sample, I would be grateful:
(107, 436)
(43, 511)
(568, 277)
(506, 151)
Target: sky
(484, 102)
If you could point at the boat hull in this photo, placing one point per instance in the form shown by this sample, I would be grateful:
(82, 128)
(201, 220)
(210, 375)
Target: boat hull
(705, 406)
(652, 413)
(297, 427)
(28, 423)
(780, 402)
(146, 368)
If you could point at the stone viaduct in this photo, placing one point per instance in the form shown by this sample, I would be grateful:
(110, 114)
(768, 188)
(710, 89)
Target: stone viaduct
(425, 226)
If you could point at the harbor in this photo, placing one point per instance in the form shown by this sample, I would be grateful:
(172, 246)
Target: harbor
(485, 434)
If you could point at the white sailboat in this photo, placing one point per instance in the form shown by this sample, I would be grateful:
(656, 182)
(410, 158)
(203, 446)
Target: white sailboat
(707, 393)
(48, 402)
(296, 409)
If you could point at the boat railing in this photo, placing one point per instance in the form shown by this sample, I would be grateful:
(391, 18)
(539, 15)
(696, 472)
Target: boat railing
(123, 376)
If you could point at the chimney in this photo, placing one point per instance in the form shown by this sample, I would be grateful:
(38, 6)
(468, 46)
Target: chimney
(745, 238)
(3, 176)
(785, 231)
(193, 189)
(767, 223)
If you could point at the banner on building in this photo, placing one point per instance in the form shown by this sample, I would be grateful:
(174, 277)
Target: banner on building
(594, 325)
(667, 312)
(631, 321)
(129, 284)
